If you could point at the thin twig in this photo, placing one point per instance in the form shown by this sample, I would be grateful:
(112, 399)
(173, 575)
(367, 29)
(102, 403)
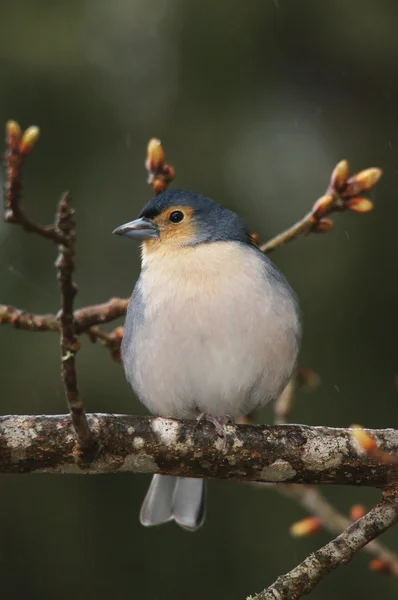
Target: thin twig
(313, 501)
(311, 498)
(18, 147)
(284, 403)
(82, 322)
(160, 174)
(302, 227)
(28, 321)
(317, 457)
(111, 340)
(69, 343)
(62, 232)
(342, 194)
(306, 576)
(98, 314)
(83, 318)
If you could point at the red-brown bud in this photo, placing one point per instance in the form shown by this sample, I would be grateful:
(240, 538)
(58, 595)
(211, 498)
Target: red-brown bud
(362, 182)
(159, 185)
(155, 156)
(322, 226)
(255, 238)
(305, 527)
(29, 139)
(359, 205)
(379, 566)
(116, 355)
(307, 377)
(363, 439)
(340, 175)
(13, 134)
(168, 173)
(322, 206)
(357, 511)
(117, 333)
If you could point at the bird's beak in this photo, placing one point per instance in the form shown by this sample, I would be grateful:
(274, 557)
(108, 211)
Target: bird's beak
(140, 229)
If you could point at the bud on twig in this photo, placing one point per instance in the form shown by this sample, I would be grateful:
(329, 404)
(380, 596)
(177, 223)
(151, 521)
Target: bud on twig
(378, 565)
(159, 173)
(322, 206)
(255, 238)
(307, 377)
(357, 511)
(159, 185)
(29, 139)
(169, 173)
(362, 437)
(13, 134)
(305, 527)
(155, 156)
(322, 226)
(359, 205)
(117, 336)
(339, 176)
(362, 182)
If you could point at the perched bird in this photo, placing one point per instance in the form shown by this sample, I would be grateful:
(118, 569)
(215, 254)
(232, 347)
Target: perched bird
(212, 328)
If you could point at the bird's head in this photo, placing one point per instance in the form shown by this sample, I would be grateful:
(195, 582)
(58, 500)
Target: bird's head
(179, 218)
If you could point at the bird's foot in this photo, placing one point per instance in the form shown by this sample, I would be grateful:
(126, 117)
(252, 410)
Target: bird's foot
(219, 423)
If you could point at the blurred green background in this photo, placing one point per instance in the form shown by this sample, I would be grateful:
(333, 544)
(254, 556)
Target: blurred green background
(255, 102)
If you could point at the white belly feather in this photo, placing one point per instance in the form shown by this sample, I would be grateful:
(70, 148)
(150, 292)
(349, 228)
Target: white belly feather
(210, 332)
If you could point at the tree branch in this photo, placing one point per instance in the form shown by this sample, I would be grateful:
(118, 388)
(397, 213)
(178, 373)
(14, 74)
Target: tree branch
(18, 147)
(10, 315)
(279, 453)
(342, 194)
(275, 453)
(304, 578)
(61, 232)
(69, 343)
(98, 314)
(312, 500)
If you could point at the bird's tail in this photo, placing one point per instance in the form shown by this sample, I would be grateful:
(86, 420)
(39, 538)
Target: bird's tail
(178, 498)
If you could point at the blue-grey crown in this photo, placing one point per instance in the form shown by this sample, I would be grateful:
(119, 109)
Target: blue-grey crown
(215, 222)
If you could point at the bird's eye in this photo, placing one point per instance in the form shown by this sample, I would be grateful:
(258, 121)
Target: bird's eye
(176, 216)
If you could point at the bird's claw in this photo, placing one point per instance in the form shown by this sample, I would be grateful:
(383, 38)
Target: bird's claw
(219, 424)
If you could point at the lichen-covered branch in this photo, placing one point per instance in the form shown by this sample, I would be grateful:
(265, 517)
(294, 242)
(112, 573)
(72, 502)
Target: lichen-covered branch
(274, 453)
(269, 454)
(303, 578)
(311, 499)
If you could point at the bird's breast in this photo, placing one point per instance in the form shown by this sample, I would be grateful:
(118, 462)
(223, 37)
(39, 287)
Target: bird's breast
(214, 334)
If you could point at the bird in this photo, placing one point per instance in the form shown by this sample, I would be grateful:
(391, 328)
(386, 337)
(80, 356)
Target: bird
(212, 328)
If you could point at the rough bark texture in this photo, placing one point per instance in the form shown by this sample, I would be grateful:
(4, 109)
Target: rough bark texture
(83, 318)
(278, 453)
(303, 578)
(65, 265)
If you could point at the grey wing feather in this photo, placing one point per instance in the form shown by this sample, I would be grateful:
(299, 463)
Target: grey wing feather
(134, 318)
(282, 285)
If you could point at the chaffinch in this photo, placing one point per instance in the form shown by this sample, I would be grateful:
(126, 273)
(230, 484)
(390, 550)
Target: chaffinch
(212, 328)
